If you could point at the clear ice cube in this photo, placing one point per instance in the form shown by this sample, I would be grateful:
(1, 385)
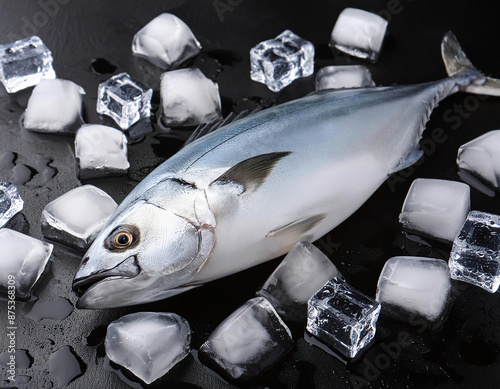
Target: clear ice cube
(148, 344)
(10, 202)
(124, 100)
(25, 63)
(248, 342)
(436, 208)
(278, 62)
(475, 256)
(414, 287)
(359, 33)
(76, 217)
(339, 77)
(100, 151)
(189, 98)
(303, 271)
(23, 259)
(342, 317)
(166, 41)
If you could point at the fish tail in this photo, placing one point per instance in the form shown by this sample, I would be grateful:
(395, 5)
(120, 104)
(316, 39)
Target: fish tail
(467, 77)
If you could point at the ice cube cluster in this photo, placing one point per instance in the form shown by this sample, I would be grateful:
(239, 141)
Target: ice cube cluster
(10, 202)
(347, 76)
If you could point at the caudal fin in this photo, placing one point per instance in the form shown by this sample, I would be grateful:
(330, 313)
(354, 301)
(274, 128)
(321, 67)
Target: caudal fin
(458, 66)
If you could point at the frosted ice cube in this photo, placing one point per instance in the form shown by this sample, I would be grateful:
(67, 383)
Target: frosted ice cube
(25, 63)
(148, 344)
(10, 202)
(54, 106)
(303, 271)
(359, 33)
(481, 157)
(475, 256)
(278, 62)
(348, 76)
(101, 151)
(342, 317)
(412, 287)
(248, 342)
(24, 258)
(76, 217)
(166, 41)
(189, 98)
(124, 100)
(436, 208)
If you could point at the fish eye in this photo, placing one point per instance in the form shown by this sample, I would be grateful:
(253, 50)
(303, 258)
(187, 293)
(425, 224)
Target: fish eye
(121, 238)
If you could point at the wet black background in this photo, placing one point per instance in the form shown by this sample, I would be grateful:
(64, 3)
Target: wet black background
(464, 353)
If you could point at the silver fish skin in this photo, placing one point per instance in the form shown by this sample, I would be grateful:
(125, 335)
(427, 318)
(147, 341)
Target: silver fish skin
(249, 191)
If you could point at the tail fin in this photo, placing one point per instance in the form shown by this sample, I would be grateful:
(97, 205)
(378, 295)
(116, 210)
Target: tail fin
(469, 79)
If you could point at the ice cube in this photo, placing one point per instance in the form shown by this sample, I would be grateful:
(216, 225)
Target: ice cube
(100, 151)
(166, 41)
(414, 287)
(10, 202)
(348, 76)
(248, 342)
(278, 62)
(25, 63)
(359, 33)
(342, 317)
(189, 98)
(76, 217)
(124, 100)
(22, 263)
(148, 344)
(299, 276)
(54, 106)
(475, 256)
(436, 208)
(481, 157)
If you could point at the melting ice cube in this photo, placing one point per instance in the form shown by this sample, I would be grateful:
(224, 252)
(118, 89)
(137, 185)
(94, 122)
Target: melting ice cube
(76, 217)
(436, 208)
(348, 76)
(302, 273)
(475, 256)
(359, 33)
(124, 100)
(188, 98)
(278, 62)
(342, 317)
(10, 202)
(413, 287)
(247, 342)
(166, 41)
(101, 151)
(25, 63)
(22, 262)
(148, 344)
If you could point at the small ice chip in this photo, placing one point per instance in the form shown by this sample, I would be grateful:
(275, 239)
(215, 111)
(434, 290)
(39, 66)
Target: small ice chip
(278, 62)
(414, 287)
(124, 100)
(25, 63)
(303, 271)
(436, 208)
(342, 317)
(22, 262)
(10, 202)
(359, 33)
(189, 98)
(148, 344)
(76, 217)
(100, 151)
(339, 77)
(475, 256)
(166, 41)
(55, 106)
(248, 342)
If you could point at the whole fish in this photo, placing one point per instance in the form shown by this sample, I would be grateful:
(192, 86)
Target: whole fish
(247, 192)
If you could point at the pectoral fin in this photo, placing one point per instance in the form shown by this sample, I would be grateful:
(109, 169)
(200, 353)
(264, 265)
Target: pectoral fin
(297, 229)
